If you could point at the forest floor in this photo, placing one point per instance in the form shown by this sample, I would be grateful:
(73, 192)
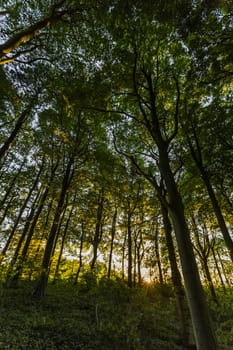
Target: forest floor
(100, 316)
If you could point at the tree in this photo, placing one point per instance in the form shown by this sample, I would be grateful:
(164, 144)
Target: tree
(158, 115)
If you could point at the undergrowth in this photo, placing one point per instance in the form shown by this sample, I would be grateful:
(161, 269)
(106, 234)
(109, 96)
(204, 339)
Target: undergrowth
(103, 315)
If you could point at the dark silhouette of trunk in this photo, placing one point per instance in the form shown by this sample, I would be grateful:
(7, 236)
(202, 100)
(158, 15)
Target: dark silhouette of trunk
(80, 253)
(197, 157)
(223, 268)
(123, 256)
(129, 248)
(217, 267)
(157, 254)
(11, 186)
(203, 249)
(202, 326)
(9, 205)
(139, 252)
(43, 278)
(182, 306)
(113, 231)
(15, 131)
(26, 201)
(64, 239)
(203, 331)
(22, 258)
(11, 272)
(98, 228)
(218, 213)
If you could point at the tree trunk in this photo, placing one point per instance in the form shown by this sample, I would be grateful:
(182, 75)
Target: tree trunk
(24, 253)
(197, 157)
(80, 253)
(203, 331)
(218, 269)
(63, 240)
(98, 227)
(9, 240)
(129, 246)
(218, 213)
(11, 272)
(14, 132)
(183, 311)
(157, 255)
(113, 231)
(43, 279)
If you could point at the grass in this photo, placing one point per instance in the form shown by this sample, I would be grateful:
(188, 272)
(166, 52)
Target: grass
(98, 316)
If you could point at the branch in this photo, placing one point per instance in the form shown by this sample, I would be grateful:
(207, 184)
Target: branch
(27, 34)
(176, 115)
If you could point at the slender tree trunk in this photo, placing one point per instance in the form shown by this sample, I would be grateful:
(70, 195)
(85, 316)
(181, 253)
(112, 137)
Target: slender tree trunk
(23, 256)
(123, 257)
(10, 274)
(218, 213)
(14, 133)
(80, 253)
(197, 157)
(218, 269)
(98, 227)
(113, 231)
(10, 238)
(157, 255)
(63, 240)
(129, 246)
(203, 330)
(11, 186)
(203, 250)
(223, 269)
(43, 279)
(139, 254)
(183, 311)
(7, 208)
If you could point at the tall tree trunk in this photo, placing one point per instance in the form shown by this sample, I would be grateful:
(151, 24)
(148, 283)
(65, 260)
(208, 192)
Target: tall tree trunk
(11, 185)
(197, 157)
(9, 240)
(113, 231)
(15, 131)
(157, 254)
(129, 248)
(183, 312)
(123, 256)
(29, 219)
(80, 253)
(203, 330)
(203, 250)
(98, 227)
(139, 255)
(218, 269)
(23, 256)
(63, 239)
(218, 213)
(43, 278)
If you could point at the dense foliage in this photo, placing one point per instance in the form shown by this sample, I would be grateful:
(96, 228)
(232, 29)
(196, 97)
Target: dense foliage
(116, 151)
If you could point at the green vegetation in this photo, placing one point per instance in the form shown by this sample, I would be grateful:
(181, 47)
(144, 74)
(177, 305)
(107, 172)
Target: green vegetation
(100, 315)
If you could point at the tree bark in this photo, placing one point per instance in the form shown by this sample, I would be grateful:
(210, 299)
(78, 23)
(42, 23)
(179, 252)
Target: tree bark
(9, 240)
(98, 227)
(113, 231)
(43, 279)
(203, 330)
(14, 133)
(183, 311)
